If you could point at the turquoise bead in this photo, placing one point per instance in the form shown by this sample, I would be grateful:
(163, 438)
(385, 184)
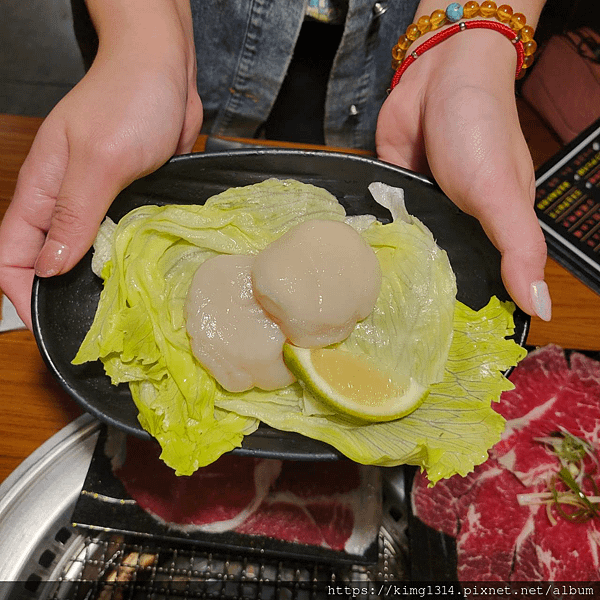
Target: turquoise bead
(454, 12)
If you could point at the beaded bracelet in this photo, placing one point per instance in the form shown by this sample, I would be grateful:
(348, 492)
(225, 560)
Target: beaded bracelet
(456, 28)
(516, 23)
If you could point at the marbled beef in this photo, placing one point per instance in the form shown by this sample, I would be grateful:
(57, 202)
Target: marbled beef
(334, 505)
(497, 538)
(215, 498)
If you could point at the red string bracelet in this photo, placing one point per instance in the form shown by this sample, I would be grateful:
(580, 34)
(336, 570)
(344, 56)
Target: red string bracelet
(456, 28)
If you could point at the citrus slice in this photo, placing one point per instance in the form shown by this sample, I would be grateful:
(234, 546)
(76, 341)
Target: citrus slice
(352, 384)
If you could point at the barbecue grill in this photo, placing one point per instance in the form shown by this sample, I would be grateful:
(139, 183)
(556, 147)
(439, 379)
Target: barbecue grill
(43, 556)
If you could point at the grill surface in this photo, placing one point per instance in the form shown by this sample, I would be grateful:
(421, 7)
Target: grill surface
(111, 567)
(66, 563)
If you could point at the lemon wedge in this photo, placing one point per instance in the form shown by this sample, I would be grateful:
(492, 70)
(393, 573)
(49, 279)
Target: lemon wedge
(353, 385)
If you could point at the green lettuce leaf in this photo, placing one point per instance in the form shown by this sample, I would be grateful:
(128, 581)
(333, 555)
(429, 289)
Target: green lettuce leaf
(410, 329)
(147, 262)
(417, 329)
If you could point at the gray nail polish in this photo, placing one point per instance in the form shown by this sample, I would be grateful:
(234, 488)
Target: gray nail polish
(540, 297)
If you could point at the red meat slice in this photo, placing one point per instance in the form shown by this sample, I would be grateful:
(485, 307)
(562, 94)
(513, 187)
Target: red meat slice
(314, 504)
(307, 479)
(526, 562)
(567, 551)
(334, 505)
(497, 538)
(490, 532)
(217, 493)
(447, 502)
(541, 373)
(319, 524)
(549, 393)
(333, 520)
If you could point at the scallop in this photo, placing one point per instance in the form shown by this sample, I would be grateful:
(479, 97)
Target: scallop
(231, 335)
(317, 281)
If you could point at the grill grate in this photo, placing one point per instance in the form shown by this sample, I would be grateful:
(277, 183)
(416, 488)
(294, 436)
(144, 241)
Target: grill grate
(51, 559)
(64, 562)
(112, 567)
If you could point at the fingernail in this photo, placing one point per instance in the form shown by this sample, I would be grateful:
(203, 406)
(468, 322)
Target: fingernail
(51, 259)
(540, 297)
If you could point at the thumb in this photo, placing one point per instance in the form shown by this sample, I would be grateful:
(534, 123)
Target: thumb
(482, 162)
(514, 229)
(87, 190)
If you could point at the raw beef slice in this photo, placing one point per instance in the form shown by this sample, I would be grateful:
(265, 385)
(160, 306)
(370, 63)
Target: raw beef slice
(497, 538)
(215, 498)
(334, 505)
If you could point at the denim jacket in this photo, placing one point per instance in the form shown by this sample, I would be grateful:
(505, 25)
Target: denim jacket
(244, 48)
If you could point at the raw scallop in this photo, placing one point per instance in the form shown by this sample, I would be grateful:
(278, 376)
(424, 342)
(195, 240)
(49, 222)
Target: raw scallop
(231, 335)
(317, 281)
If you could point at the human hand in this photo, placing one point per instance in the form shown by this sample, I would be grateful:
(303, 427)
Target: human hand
(453, 115)
(136, 107)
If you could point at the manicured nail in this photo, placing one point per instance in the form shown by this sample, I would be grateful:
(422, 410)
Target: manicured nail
(51, 259)
(540, 297)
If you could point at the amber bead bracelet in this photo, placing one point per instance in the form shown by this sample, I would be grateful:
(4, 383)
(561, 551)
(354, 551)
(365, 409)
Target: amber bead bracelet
(513, 25)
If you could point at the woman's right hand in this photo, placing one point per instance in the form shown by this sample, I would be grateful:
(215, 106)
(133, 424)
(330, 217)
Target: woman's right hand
(136, 107)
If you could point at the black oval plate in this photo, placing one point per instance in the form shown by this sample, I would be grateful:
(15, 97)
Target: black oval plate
(63, 307)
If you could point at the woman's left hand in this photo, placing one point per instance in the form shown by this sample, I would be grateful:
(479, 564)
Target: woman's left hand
(453, 115)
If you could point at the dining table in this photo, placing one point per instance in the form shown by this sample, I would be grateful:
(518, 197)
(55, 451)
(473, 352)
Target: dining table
(34, 407)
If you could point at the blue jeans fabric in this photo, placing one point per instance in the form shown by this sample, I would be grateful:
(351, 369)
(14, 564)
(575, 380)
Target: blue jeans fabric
(244, 48)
